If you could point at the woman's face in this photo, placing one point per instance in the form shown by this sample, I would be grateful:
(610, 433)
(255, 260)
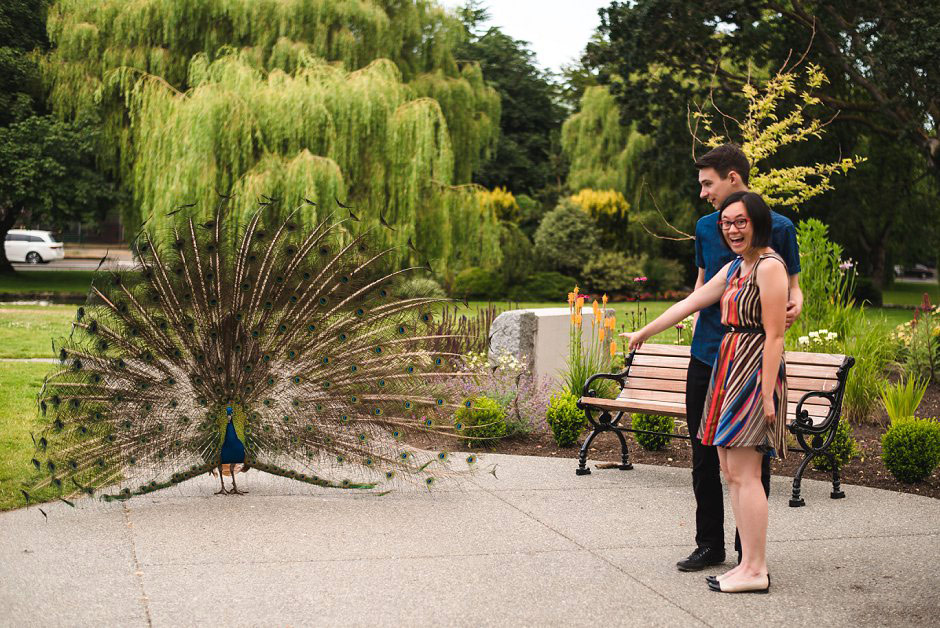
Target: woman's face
(736, 227)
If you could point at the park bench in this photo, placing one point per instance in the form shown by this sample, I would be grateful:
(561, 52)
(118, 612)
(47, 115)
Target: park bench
(653, 382)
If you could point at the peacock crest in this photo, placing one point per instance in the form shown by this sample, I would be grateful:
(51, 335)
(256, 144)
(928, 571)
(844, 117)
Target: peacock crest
(268, 345)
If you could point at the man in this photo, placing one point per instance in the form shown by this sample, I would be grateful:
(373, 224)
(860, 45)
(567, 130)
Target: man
(721, 172)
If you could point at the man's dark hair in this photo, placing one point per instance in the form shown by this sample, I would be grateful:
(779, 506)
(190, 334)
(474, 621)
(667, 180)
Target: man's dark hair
(724, 159)
(757, 213)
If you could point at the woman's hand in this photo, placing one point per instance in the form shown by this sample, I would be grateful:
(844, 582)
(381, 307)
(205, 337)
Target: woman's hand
(770, 413)
(635, 339)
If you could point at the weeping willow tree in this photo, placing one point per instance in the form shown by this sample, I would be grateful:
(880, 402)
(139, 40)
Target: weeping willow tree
(355, 99)
(304, 138)
(605, 154)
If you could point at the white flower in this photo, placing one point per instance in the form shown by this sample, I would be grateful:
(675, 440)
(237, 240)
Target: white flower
(832, 335)
(803, 340)
(823, 332)
(814, 335)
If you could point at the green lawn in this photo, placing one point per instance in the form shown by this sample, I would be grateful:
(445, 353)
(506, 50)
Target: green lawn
(26, 331)
(19, 385)
(904, 293)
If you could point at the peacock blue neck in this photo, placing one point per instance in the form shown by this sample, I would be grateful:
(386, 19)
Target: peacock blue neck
(233, 449)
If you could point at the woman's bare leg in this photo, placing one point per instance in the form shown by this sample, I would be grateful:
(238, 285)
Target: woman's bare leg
(750, 514)
(732, 489)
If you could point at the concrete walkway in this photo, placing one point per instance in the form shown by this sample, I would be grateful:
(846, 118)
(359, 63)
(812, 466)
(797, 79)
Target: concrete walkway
(532, 545)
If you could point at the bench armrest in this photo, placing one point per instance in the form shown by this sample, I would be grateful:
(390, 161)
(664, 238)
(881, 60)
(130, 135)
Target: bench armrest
(587, 391)
(802, 424)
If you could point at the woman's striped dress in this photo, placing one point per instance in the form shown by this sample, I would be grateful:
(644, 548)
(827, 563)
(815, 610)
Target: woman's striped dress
(734, 411)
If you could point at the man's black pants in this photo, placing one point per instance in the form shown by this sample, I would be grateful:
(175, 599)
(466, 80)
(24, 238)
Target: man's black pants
(706, 481)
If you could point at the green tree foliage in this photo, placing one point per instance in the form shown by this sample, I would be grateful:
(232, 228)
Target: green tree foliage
(880, 56)
(566, 239)
(47, 165)
(363, 101)
(525, 159)
(49, 175)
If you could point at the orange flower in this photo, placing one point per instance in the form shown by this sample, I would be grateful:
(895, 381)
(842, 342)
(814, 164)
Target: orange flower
(579, 303)
(613, 347)
(600, 334)
(604, 299)
(577, 320)
(571, 297)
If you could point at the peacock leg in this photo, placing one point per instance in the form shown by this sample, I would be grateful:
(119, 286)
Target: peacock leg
(235, 490)
(221, 491)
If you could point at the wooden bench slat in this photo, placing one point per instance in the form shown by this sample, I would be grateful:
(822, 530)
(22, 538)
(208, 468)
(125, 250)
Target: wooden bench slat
(637, 405)
(641, 383)
(654, 372)
(806, 370)
(653, 395)
(815, 359)
(796, 395)
(662, 361)
(659, 349)
(807, 384)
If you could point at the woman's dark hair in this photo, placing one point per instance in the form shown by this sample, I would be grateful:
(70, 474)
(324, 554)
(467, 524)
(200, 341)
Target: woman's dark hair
(757, 212)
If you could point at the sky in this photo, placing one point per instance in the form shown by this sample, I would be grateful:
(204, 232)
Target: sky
(558, 30)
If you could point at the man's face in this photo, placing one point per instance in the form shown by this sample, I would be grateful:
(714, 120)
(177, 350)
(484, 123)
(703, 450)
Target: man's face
(714, 188)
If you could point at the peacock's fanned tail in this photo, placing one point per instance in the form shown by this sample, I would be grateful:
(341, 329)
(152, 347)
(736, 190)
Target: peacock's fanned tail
(291, 334)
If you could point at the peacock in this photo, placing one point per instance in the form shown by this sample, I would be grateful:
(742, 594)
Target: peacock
(258, 344)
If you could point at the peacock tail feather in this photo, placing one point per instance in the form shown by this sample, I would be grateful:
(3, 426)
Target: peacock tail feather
(292, 336)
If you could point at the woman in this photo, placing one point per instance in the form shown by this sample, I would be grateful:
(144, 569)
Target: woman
(745, 409)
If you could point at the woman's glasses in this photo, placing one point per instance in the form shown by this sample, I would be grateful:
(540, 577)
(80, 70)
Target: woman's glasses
(739, 223)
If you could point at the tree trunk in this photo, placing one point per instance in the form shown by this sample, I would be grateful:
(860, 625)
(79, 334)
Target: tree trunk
(7, 220)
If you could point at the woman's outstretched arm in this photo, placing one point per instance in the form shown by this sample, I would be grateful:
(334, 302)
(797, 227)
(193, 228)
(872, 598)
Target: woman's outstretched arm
(773, 283)
(703, 297)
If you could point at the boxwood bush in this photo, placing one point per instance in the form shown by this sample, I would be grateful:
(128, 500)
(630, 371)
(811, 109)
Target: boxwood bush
(481, 422)
(565, 419)
(653, 423)
(843, 446)
(910, 449)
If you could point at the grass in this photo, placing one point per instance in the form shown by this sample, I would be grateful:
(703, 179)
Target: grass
(26, 331)
(19, 385)
(64, 282)
(910, 293)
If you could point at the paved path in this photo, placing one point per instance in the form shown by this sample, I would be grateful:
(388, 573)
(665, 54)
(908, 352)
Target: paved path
(535, 545)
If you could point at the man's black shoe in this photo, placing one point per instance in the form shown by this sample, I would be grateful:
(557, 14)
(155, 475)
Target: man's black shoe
(701, 558)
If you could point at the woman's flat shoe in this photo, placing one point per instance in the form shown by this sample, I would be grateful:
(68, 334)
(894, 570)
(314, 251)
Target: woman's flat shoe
(711, 579)
(716, 585)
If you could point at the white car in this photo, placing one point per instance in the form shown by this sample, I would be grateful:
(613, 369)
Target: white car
(33, 247)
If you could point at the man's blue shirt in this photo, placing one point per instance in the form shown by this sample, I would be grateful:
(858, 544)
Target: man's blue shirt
(712, 254)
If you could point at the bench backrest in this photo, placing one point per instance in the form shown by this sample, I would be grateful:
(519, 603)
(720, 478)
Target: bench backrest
(656, 380)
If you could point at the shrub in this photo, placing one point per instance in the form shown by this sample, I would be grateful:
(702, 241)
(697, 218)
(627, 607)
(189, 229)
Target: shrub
(919, 342)
(518, 252)
(663, 274)
(530, 214)
(416, 287)
(484, 420)
(503, 203)
(599, 203)
(653, 423)
(543, 286)
(565, 419)
(910, 449)
(843, 446)
(566, 238)
(477, 283)
(611, 272)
